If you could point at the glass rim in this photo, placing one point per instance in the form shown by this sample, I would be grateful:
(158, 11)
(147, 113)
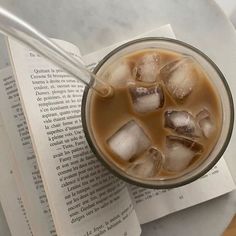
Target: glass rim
(191, 178)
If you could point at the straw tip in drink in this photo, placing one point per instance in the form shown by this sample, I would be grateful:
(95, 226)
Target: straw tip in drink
(106, 92)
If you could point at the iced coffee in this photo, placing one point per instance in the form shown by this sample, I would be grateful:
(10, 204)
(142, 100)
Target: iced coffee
(164, 117)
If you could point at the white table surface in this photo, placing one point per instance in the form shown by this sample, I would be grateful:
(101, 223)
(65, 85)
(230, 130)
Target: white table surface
(96, 24)
(228, 6)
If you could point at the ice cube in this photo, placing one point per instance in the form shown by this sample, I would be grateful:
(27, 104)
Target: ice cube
(120, 74)
(147, 165)
(205, 122)
(182, 122)
(180, 77)
(129, 141)
(146, 99)
(179, 153)
(148, 68)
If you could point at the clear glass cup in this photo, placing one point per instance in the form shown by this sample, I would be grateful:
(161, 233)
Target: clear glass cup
(217, 79)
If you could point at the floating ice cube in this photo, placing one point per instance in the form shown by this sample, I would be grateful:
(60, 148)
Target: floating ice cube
(182, 122)
(148, 68)
(120, 74)
(147, 165)
(205, 122)
(180, 78)
(146, 99)
(129, 141)
(179, 153)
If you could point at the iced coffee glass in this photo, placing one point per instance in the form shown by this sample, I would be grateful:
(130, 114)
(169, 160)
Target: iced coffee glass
(170, 118)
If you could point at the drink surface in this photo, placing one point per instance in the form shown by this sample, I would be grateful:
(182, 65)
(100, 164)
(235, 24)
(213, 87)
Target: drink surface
(164, 118)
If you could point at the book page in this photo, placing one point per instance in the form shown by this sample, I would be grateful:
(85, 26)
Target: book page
(93, 58)
(10, 197)
(152, 204)
(24, 164)
(158, 203)
(84, 197)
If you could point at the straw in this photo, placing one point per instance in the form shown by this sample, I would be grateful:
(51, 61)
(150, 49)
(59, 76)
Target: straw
(18, 29)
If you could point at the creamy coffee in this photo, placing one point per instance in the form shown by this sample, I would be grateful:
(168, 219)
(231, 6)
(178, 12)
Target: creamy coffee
(164, 118)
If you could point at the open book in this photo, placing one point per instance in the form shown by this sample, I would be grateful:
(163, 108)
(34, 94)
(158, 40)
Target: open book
(50, 181)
